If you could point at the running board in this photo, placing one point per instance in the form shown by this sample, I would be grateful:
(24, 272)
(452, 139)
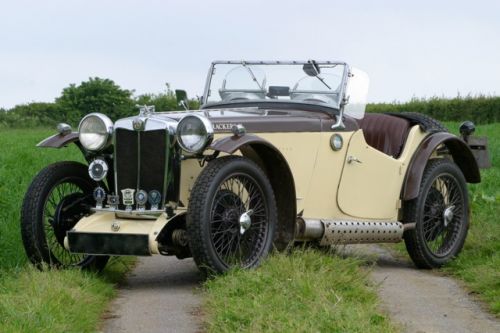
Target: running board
(331, 232)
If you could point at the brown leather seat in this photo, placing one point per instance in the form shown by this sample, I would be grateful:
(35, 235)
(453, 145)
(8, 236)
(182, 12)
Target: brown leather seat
(385, 133)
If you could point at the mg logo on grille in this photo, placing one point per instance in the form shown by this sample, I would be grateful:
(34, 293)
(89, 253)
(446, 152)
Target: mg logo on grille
(138, 124)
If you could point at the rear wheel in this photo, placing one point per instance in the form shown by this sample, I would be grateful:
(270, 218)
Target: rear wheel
(232, 215)
(441, 213)
(59, 196)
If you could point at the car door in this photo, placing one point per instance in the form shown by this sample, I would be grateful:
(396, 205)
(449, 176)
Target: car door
(370, 183)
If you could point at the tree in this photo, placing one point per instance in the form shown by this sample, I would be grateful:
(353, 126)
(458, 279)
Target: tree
(164, 101)
(96, 95)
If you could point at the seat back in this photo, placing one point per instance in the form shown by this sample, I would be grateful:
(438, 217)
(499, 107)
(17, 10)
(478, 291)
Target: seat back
(385, 133)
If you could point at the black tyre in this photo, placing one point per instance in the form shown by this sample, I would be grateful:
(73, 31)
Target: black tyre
(441, 213)
(59, 196)
(221, 236)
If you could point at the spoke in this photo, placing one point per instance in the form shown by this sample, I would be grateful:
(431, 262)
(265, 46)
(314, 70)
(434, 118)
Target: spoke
(440, 239)
(224, 225)
(222, 231)
(236, 195)
(225, 250)
(54, 247)
(220, 241)
(431, 225)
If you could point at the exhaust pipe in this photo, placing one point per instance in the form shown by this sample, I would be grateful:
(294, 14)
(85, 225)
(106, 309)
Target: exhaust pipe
(309, 229)
(331, 232)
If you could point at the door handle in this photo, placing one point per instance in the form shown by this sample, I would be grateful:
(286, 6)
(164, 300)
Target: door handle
(351, 159)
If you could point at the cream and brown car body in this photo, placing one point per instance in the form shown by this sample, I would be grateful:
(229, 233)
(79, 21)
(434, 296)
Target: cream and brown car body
(335, 179)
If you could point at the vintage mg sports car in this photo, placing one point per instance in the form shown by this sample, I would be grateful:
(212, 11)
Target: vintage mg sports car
(278, 153)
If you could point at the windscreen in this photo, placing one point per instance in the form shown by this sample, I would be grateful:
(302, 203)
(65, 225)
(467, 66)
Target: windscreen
(318, 83)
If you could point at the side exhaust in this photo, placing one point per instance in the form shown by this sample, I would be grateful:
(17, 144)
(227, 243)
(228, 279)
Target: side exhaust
(331, 232)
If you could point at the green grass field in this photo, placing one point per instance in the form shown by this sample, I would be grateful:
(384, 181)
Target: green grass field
(20, 161)
(261, 300)
(31, 300)
(304, 291)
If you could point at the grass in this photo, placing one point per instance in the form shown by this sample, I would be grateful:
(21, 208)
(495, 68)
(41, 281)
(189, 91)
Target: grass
(305, 291)
(55, 300)
(20, 161)
(33, 300)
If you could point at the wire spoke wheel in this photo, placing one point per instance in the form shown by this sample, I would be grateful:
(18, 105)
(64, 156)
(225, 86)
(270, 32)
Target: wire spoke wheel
(235, 244)
(232, 215)
(58, 197)
(441, 214)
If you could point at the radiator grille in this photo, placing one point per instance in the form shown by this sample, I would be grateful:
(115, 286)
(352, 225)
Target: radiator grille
(140, 158)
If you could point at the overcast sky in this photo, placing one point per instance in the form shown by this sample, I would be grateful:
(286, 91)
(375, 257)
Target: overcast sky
(418, 48)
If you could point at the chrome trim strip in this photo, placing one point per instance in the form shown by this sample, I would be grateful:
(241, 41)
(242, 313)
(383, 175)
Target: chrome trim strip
(138, 182)
(147, 214)
(115, 173)
(339, 124)
(278, 62)
(166, 170)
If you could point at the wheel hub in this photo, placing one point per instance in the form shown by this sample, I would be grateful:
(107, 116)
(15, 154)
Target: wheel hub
(67, 213)
(230, 216)
(245, 221)
(448, 215)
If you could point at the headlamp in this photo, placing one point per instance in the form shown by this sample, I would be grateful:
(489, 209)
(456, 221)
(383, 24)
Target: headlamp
(95, 131)
(194, 133)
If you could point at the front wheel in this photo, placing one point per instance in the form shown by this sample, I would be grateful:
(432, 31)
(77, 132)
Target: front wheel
(58, 197)
(441, 214)
(232, 215)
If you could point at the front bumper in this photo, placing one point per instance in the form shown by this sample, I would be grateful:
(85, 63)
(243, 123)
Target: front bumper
(103, 233)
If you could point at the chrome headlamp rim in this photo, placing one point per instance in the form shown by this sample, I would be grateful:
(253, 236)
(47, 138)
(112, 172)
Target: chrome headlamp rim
(208, 137)
(108, 124)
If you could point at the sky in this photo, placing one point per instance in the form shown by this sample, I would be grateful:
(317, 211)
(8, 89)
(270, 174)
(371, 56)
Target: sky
(408, 48)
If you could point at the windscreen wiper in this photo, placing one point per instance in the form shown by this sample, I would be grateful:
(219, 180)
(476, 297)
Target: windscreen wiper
(252, 75)
(323, 81)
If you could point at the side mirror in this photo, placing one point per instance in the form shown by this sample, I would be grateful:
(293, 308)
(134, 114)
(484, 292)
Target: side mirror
(182, 99)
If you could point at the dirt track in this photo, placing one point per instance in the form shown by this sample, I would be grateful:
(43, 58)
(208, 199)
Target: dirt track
(160, 296)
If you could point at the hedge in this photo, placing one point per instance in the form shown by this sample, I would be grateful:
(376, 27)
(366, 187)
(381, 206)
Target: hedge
(68, 108)
(479, 109)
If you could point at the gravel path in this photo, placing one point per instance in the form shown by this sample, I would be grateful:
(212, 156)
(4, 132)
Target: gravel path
(422, 300)
(158, 296)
